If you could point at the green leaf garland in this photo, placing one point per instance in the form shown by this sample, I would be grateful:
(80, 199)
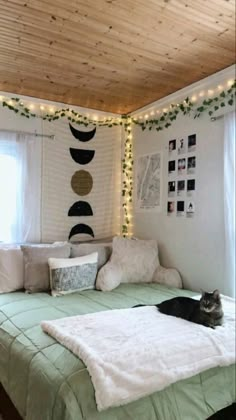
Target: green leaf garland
(208, 106)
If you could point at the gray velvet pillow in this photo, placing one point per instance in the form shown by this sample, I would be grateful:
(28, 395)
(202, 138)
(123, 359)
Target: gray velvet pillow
(104, 251)
(36, 270)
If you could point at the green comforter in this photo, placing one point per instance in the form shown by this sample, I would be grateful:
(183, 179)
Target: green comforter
(46, 381)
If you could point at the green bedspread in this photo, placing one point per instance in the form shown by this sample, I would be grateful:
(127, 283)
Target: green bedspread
(46, 381)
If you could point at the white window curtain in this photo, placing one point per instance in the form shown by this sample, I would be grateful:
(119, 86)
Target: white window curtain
(229, 202)
(20, 188)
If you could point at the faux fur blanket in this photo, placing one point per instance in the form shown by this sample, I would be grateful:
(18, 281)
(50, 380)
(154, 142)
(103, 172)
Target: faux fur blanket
(131, 353)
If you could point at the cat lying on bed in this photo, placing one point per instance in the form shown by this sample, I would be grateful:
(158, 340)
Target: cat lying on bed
(206, 311)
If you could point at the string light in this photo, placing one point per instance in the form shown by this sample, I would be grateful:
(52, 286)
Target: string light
(127, 191)
(230, 82)
(126, 121)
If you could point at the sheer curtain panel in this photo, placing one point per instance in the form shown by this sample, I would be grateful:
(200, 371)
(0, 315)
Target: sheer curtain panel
(20, 188)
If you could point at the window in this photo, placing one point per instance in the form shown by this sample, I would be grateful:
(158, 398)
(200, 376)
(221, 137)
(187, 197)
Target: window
(8, 189)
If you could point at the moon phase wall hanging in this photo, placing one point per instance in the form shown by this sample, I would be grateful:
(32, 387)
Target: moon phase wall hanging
(81, 228)
(81, 181)
(81, 156)
(80, 208)
(83, 136)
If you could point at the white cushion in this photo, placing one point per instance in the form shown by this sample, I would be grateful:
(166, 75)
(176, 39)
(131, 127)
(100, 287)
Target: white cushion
(11, 268)
(69, 275)
(132, 261)
(168, 277)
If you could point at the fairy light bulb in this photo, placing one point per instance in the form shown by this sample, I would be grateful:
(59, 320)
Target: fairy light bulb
(10, 102)
(230, 82)
(201, 94)
(31, 106)
(220, 87)
(51, 110)
(1, 98)
(42, 107)
(152, 112)
(210, 92)
(146, 116)
(194, 98)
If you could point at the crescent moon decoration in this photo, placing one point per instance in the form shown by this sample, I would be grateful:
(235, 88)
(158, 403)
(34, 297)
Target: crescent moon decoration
(80, 208)
(81, 156)
(82, 135)
(81, 228)
(82, 182)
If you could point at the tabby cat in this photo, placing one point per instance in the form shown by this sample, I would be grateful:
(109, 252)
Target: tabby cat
(207, 311)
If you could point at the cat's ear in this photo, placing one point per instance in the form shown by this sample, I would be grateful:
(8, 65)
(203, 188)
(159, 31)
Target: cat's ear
(216, 294)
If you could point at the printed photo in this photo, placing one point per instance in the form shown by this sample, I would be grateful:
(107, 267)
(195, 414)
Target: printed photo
(172, 146)
(191, 165)
(180, 187)
(192, 143)
(170, 207)
(190, 187)
(181, 165)
(181, 147)
(171, 189)
(190, 209)
(180, 208)
(171, 166)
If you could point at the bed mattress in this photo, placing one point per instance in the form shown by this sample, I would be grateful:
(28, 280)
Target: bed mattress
(45, 381)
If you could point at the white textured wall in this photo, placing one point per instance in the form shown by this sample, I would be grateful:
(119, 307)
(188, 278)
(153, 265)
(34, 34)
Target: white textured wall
(194, 246)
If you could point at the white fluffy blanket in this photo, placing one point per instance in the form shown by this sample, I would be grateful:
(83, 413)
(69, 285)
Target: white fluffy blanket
(131, 353)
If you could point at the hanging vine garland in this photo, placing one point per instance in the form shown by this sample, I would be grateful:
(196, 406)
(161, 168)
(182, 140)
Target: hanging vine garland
(127, 170)
(187, 107)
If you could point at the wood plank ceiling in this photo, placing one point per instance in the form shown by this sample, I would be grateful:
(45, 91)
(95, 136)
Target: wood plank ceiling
(112, 55)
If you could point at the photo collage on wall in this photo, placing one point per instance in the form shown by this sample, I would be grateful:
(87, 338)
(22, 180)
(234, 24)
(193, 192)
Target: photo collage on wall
(181, 176)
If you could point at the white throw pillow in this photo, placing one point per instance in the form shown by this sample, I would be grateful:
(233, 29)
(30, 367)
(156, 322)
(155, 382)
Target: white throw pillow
(132, 261)
(11, 268)
(69, 275)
